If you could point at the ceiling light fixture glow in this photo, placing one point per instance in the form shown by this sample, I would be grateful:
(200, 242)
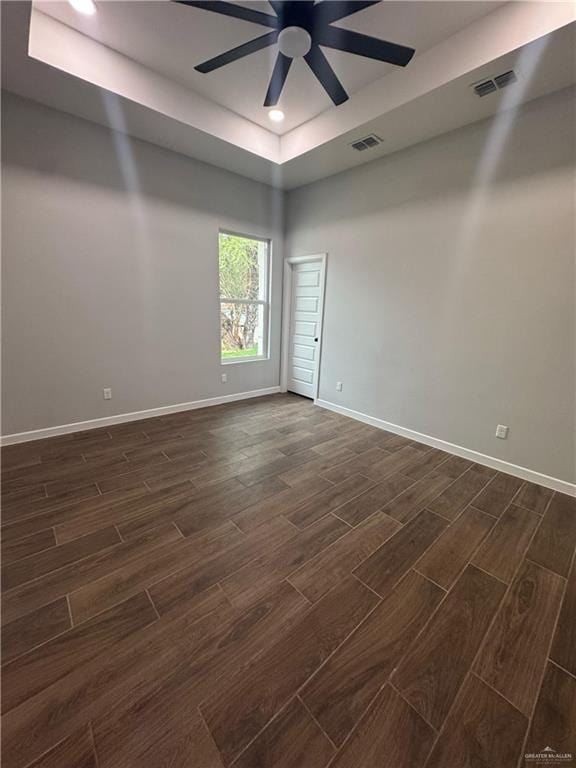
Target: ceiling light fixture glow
(276, 115)
(86, 7)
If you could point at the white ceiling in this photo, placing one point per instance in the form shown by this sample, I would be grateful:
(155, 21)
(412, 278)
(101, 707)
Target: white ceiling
(171, 39)
(449, 107)
(132, 69)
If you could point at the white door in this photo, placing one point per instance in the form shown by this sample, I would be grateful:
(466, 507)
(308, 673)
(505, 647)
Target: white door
(305, 327)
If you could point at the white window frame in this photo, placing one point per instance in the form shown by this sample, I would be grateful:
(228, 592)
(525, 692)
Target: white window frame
(265, 303)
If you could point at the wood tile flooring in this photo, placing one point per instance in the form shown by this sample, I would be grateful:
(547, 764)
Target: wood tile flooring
(269, 584)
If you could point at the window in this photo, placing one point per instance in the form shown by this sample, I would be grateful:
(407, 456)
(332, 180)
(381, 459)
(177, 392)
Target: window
(243, 271)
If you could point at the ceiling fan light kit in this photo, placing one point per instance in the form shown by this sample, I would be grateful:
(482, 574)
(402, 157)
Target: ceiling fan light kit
(300, 28)
(294, 42)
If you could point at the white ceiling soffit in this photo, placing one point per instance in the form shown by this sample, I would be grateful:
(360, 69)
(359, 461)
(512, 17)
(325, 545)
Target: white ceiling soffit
(41, 59)
(543, 66)
(55, 64)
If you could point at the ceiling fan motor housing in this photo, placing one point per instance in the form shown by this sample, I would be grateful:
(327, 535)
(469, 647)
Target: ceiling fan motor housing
(294, 42)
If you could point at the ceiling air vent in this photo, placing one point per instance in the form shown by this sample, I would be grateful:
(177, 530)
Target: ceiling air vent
(506, 79)
(485, 87)
(366, 143)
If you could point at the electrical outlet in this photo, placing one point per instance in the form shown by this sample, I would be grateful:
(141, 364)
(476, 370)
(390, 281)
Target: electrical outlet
(501, 431)
(338, 386)
(107, 393)
(224, 378)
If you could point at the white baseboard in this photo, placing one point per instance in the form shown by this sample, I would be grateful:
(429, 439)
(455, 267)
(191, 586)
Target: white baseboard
(122, 418)
(480, 458)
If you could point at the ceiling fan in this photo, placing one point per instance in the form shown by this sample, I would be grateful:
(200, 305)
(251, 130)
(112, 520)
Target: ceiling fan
(301, 27)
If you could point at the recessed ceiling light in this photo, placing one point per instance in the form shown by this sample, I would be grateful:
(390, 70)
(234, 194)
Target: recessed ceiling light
(276, 115)
(86, 7)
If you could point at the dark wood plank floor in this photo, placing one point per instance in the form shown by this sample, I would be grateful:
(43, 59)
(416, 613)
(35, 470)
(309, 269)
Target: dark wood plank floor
(269, 584)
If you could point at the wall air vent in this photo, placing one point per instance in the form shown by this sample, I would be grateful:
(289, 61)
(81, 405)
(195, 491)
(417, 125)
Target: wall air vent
(366, 143)
(485, 87)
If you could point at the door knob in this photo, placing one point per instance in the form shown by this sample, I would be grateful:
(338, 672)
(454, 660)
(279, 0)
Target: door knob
(316, 339)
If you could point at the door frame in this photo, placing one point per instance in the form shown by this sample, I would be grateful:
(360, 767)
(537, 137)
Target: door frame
(289, 263)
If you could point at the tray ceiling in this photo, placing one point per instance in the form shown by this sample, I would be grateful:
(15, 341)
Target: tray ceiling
(130, 67)
(171, 39)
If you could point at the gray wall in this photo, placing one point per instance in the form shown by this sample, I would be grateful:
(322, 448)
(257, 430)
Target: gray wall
(450, 292)
(110, 271)
(451, 285)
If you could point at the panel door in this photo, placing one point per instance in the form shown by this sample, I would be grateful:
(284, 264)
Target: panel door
(305, 319)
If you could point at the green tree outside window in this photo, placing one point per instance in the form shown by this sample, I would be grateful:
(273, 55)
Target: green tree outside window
(243, 280)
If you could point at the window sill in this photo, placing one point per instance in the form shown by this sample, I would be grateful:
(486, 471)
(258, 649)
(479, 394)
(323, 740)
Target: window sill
(235, 361)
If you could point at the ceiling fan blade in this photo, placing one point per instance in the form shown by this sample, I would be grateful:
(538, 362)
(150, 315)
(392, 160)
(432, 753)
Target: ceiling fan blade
(364, 45)
(293, 12)
(333, 10)
(319, 64)
(278, 5)
(236, 11)
(279, 75)
(237, 53)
